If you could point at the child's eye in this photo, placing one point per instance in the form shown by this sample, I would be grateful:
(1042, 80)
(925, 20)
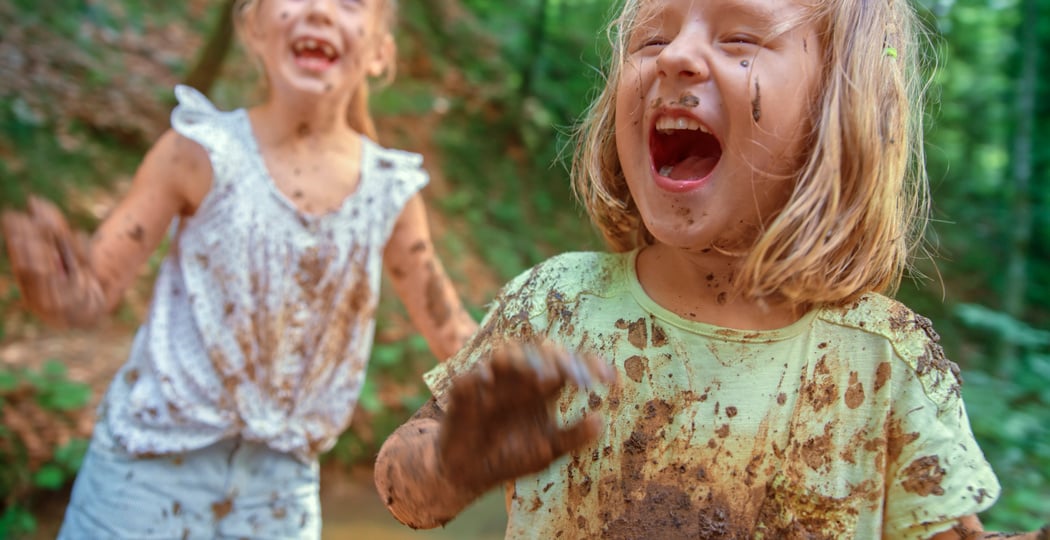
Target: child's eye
(653, 41)
(742, 39)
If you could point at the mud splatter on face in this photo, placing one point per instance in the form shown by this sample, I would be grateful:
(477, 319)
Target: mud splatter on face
(805, 45)
(297, 194)
(689, 100)
(745, 63)
(656, 103)
(418, 247)
(284, 15)
(756, 103)
(303, 130)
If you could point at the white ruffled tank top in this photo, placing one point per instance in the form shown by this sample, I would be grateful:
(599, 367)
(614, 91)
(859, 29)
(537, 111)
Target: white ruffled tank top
(262, 316)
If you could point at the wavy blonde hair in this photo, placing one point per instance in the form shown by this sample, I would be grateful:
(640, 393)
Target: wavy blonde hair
(860, 202)
(358, 116)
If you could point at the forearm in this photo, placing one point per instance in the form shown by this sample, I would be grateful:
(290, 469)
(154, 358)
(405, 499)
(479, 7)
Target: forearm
(412, 480)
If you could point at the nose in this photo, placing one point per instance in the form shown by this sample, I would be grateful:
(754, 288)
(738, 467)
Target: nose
(319, 11)
(684, 57)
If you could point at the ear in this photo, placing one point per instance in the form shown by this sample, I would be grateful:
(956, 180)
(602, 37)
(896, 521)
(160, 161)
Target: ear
(382, 60)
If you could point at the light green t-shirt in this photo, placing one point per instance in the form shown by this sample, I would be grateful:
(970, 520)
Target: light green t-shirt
(845, 424)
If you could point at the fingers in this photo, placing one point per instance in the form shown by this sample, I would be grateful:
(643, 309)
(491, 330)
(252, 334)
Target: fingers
(577, 435)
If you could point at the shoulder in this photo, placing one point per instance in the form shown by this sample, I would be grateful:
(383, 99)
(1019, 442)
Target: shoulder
(911, 336)
(401, 171)
(393, 158)
(197, 119)
(572, 273)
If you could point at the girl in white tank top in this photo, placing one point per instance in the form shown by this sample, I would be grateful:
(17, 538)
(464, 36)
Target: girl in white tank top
(254, 351)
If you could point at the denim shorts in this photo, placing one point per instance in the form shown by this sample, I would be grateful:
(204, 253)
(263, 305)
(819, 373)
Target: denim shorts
(231, 489)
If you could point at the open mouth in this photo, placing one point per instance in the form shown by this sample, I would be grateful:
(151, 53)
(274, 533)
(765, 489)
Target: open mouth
(314, 54)
(683, 149)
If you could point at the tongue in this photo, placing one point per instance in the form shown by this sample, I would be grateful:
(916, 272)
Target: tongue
(313, 63)
(692, 167)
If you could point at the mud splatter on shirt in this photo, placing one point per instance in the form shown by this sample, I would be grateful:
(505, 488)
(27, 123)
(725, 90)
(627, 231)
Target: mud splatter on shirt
(262, 316)
(847, 423)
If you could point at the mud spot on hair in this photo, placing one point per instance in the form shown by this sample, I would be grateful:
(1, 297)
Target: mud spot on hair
(635, 367)
(855, 392)
(137, 233)
(756, 103)
(923, 477)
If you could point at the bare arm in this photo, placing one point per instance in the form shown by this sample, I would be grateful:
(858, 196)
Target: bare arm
(425, 289)
(67, 280)
(500, 425)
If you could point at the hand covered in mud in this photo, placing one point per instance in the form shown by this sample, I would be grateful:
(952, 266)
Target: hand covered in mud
(51, 264)
(500, 421)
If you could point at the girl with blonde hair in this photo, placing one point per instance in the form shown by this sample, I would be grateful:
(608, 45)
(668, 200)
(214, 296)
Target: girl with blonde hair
(255, 348)
(733, 368)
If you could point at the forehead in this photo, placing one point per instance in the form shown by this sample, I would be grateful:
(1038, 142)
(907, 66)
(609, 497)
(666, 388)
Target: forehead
(772, 13)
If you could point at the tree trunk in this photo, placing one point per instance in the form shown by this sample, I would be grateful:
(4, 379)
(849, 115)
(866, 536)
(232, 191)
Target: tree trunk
(209, 63)
(1021, 233)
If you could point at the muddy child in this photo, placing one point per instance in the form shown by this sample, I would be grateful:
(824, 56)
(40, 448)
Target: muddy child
(756, 169)
(281, 218)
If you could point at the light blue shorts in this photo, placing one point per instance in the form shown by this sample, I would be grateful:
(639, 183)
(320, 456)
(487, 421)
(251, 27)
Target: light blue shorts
(231, 489)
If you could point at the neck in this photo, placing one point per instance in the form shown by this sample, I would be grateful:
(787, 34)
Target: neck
(698, 285)
(294, 120)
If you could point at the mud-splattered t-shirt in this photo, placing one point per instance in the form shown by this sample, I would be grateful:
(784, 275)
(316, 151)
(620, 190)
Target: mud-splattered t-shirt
(262, 316)
(845, 424)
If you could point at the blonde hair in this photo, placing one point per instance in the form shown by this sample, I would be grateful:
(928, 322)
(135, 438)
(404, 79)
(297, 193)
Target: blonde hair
(860, 202)
(358, 116)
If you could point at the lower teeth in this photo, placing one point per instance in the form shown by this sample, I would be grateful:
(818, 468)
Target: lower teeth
(666, 170)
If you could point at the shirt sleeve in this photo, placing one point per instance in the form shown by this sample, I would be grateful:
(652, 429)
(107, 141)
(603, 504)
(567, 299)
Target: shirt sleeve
(513, 315)
(936, 472)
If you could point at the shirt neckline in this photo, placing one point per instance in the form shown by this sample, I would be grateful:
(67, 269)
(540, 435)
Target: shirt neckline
(728, 334)
(367, 152)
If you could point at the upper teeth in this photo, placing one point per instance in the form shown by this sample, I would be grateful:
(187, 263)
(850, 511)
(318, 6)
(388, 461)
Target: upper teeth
(667, 124)
(313, 44)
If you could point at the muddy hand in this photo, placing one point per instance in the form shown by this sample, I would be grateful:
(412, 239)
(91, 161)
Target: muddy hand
(500, 422)
(50, 262)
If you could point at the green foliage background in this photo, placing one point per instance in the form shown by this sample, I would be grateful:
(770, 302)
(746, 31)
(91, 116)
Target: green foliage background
(499, 85)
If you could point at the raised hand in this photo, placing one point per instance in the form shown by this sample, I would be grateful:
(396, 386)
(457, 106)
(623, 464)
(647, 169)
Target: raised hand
(52, 265)
(500, 422)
